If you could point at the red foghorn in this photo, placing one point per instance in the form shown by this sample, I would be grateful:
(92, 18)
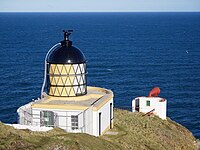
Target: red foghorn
(154, 92)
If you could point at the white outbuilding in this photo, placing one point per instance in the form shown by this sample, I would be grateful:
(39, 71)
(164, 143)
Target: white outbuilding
(151, 104)
(66, 100)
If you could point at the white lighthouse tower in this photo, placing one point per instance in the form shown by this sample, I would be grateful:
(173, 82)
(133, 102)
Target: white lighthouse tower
(66, 100)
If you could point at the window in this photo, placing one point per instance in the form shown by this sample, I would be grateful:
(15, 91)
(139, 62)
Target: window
(74, 122)
(148, 103)
(47, 118)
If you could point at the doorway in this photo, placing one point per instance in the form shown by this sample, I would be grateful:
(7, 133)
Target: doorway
(111, 108)
(137, 104)
(99, 123)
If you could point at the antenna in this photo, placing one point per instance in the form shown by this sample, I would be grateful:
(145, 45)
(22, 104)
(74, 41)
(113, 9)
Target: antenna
(67, 33)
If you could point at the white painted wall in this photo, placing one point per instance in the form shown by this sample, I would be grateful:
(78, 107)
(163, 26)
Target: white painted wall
(161, 109)
(63, 118)
(36, 117)
(25, 114)
(95, 123)
(80, 121)
(89, 118)
(105, 118)
(133, 105)
(155, 103)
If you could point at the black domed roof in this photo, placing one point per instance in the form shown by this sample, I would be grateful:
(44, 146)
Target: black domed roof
(66, 53)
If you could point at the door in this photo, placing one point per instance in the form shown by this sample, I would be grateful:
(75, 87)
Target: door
(137, 104)
(111, 108)
(99, 123)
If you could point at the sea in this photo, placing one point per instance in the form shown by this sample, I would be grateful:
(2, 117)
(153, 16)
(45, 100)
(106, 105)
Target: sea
(128, 53)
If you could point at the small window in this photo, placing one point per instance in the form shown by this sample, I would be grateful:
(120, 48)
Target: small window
(148, 103)
(74, 122)
(47, 118)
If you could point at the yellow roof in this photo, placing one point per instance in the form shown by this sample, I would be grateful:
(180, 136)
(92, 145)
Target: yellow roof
(95, 97)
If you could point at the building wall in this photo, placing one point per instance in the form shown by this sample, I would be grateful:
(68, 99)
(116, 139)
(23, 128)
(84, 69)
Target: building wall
(62, 118)
(133, 105)
(24, 113)
(160, 107)
(144, 108)
(80, 121)
(95, 130)
(105, 118)
(36, 117)
(88, 120)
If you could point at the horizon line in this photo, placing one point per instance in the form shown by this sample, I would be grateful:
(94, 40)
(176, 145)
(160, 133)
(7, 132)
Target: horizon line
(99, 11)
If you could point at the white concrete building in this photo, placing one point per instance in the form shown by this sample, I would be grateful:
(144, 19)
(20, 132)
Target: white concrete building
(155, 105)
(68, 102)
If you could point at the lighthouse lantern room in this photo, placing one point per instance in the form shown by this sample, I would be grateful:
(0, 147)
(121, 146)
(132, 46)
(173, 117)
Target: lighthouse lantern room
(66, 70)
(66, 100)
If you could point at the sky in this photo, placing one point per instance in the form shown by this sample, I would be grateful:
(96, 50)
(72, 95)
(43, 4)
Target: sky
(99, 5)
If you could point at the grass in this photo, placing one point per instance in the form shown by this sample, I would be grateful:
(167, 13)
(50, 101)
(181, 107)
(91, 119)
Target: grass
(135, 131)
(149, 132)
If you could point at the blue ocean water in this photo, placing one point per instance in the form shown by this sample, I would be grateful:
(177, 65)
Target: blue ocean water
(127, 52)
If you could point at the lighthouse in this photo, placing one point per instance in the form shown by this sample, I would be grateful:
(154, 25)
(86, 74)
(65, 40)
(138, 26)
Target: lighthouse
(66, 100)
(66, 70)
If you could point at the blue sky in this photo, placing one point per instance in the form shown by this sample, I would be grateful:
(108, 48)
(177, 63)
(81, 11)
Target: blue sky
(98, 5)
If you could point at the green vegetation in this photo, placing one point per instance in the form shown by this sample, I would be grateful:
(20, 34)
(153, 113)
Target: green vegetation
(131, 131)
(137, 131)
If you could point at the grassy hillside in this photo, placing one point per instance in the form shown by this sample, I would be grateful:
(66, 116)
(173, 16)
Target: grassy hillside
(131, 131)
(137, 131)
